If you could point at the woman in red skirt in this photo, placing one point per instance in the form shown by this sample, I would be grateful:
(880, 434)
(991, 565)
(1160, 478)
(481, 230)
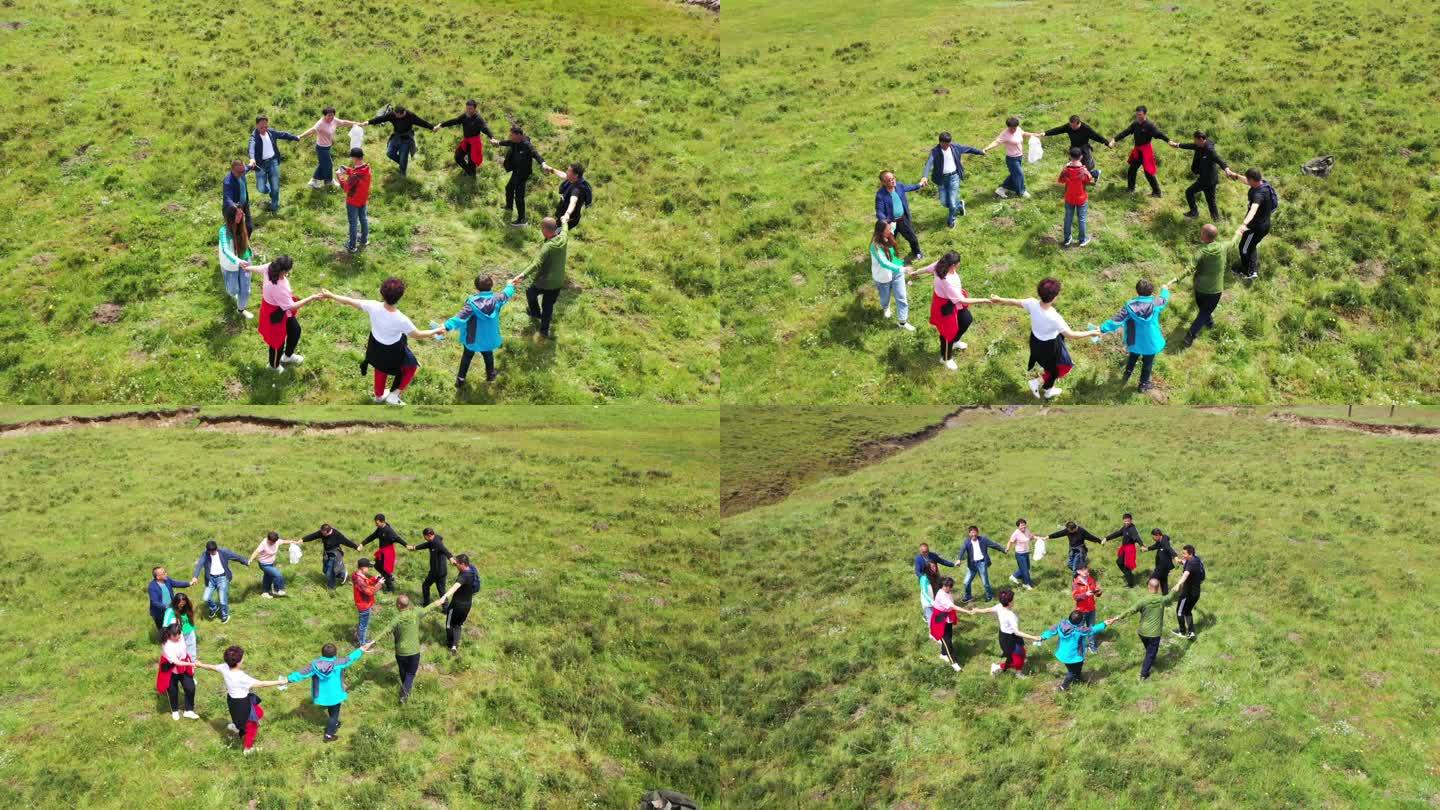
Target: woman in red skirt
(949, 306)
(278, 307)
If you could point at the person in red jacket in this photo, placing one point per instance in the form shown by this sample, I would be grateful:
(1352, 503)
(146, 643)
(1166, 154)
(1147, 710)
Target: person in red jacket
(1075, 177)
(1085, 588)
(355, 179)
(365, 587)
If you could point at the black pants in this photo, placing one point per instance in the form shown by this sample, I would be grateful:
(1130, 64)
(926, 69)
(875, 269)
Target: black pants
(177, 682)
(462, 159)
(239, 711)
(408, 665)
(228, 212)
(389, 579)
(1184, 609)
(1152, 648)
(541, 305)
(948, 645)
(1209, 191)
(292, 340)
(1205, 303)
(1129, 575)
(1164, 577)
(1072, 674)
(1135, 170)
(465, 359)
(1146, 366)
(905, 229)
(454, 621)
(1250, 249)
(515, 195)
(947, 346)
(438, 580)
(332, 725)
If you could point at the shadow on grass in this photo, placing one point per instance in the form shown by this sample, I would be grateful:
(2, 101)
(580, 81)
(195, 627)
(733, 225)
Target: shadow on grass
(266, 387)
(849, 327)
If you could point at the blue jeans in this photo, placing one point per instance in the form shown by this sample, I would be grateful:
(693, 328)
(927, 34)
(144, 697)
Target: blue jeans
(981, 568)
(1088, 619)
(364, 626)
(1070, 212)
(359, 223)
(1022, 567)
(267, 181)
(217, 584)
(190, 645)
(334, 570)
(950, 195)
(237, 286)
(324, 169)
(1077, 559)
(1016, 181)
(896, 287)
(398, 150)
(332, 722)
(271, 576)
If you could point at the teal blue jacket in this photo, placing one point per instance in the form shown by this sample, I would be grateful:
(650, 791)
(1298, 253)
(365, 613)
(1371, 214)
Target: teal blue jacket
(1071, 647)
(1141, 318)
(326, 684)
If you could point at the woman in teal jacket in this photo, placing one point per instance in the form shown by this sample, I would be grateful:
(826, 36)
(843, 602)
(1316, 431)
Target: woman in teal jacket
(1070, 650)
(480, 319)
(327, 687)
(1141, 318)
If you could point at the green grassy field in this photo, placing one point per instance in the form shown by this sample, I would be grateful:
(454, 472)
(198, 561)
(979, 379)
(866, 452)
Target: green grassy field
(827, 96)
(122, 118)
(1303, 689)
(586, 676)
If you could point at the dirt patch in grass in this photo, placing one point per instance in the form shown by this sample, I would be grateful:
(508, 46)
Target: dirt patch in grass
(1255, 712)
(1405, 431)
(563, 120)
(15, 26)
(106, 313)
(1372, 269)
(1146, 705)
(155, 418)
(390, 479)
(42, 259)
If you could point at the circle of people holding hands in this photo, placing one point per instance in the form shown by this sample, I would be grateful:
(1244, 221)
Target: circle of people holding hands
(1139, 316)
(387, 350)
(1077, 632)
(176, 620)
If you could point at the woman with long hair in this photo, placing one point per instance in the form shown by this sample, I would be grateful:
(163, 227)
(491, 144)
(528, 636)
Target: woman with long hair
(949, 306)
(388, 349)
(279, 324)
(1048, 331)
(888, 273)
(929, 584)
(182, 611)
(176, 672)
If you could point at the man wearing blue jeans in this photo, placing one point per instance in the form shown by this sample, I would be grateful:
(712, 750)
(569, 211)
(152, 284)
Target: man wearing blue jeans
(976, 554)
(333, 562)
(265, 158)
(214, 564)
(402, 138)
(1077, 535)
(945, 171)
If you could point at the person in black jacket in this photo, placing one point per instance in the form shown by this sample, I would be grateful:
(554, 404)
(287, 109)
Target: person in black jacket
(1077, 536)
(1192, 574)
(385, 555)
(1164, 558)
(1143, 155)
(575, 193)
(439, 561)
(1129, 536)
(520, 160)
(1081, 134)
(402, 140)
(470, 151)
(467, 584)
(1203, 167)
(333, 561)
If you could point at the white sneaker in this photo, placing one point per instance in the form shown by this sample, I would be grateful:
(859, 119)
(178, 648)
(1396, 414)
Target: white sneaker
(887, 311)
(1086, 242)
(1053, 392)
(279, 593)
(950, 364)
(293, 358)
(943, 657)
(265, 595)
(190, 715)
(994, 669)
(174, 715)
(379, 400)
(393, 398)
(961, 345)
(1001, 193)
(278, 369)
(1014, 580)
(956, 666)
(249, 316)
(907, 326)
(231, 728)
(1035, 386)
(1028, 588)
(1025, 194)
(1067, 243)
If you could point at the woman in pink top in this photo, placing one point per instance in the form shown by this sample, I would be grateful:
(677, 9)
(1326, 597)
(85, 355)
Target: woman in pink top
(324, 132)
(271, 577)
(1014, 138)
(278, 306)
(949, 307)
(942, 621)
(1021, 539)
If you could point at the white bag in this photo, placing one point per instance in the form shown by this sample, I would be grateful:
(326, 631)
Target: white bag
(295, 553)
(1036, 152)
(1039, 549)
(357, 137)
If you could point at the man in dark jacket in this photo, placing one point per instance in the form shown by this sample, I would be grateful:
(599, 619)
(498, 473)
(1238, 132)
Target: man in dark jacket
(893, 208)
(402, 138)
(439, 563)
(945, 171)
(1204, 166)
(333, 562)
(1077, 535)
(1081, 134)
(265, 158)
(1192, 574)
(235, 198)
(214, 565)
(1129, 536)
(520, 160)
(385, 555)
(1143, 155)
(470, 151)
(1164, 558)
(575, 193)
(975, 551)
(927, 556)
(161, 593)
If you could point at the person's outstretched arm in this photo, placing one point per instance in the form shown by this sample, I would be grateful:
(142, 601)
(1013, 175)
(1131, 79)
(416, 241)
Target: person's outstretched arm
(349, 302)
(276, 682)
(1014, 302)
(1084, 532)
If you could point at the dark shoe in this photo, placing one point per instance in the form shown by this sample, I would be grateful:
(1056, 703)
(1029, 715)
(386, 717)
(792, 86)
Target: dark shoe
(1192, 214)
(1155, 194)
(330, 738)
(950, 224)
(459, 382)
(1189, 340)
(490, 376)
(520, 223)
(967, 600)
(1142, 389)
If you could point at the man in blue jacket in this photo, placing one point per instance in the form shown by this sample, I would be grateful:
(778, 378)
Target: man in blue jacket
(214, 564)
(975, 551)
(893, 208)
(265, 157)
(235, 198)
(161, 593)
(944, 169)
(927, 556)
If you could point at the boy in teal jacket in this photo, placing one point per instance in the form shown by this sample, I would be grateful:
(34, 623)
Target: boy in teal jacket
(480, 320)
(327, 686)
(1141, 318)
(1070, 650)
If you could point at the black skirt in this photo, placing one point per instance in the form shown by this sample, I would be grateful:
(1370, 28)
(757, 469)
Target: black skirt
(1049, 354)
(391, 359)
(1008, 643)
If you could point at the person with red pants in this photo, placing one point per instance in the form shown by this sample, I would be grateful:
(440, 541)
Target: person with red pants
(385, 554)
(1129, 548)
(1048, 331)
(388, 349)
(1084, 589)
(470, 151)
(1012, 641)
(245, 711)
(1143, 155)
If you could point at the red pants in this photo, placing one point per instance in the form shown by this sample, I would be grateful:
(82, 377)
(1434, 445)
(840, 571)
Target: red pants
(1045, 379)
(406, 375)
(252, 728)
(1016, 661)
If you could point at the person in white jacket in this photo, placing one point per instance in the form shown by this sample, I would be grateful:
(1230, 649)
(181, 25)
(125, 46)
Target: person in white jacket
(888, 273)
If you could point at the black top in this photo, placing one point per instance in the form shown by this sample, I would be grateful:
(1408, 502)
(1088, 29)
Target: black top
(1143, 133)
(1264, 196)
(1196, 569)
(1164, 554)
(403, 126)
(568, 190)
(1204, 164)
(333, 542)
(385, 534)
(1130, 533)
(1081, 136)
(469, 582)
(1077, 537)
(521, 158)
(471, 125)
(439, 554)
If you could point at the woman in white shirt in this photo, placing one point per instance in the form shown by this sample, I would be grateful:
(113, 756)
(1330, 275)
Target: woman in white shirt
(245, 711)
(1013, 137)
(1048, 331)
(177, 671)
(1012, 645)
(388, 349)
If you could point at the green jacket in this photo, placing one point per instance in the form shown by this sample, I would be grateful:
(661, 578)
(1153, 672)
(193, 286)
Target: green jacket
(549, 266)
(1151, 608)
(406, 629)
(1209, 268)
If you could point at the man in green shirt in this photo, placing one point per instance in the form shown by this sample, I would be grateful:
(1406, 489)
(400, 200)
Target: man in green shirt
(1209, 270)
(549, 270)
(406, 632)
(1152, 616)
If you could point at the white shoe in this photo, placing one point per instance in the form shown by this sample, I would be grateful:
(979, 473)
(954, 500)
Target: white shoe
(907, 326)
(1053, 392)
(994, 669)
(1066, 243)
(231, 728)
(249, 316)
(1086, 242)
(1001, 193)
(961, 345)
(190, 715)
(278, 369)
(379, 399)
(1025, 194)
(1028, 588)
(174, 715)
(1035, 387)
(956, 666)
(393, 398)
(1014, 580)
(293, 358)
(887, 311)
(265, 595)
(279, 593)
(247, 751)
(943, 657)
(950, 364)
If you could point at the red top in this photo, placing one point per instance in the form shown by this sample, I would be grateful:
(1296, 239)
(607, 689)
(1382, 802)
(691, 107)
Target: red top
(1084, 592)
(365, 588)
(1076, 178)
(357, 185)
